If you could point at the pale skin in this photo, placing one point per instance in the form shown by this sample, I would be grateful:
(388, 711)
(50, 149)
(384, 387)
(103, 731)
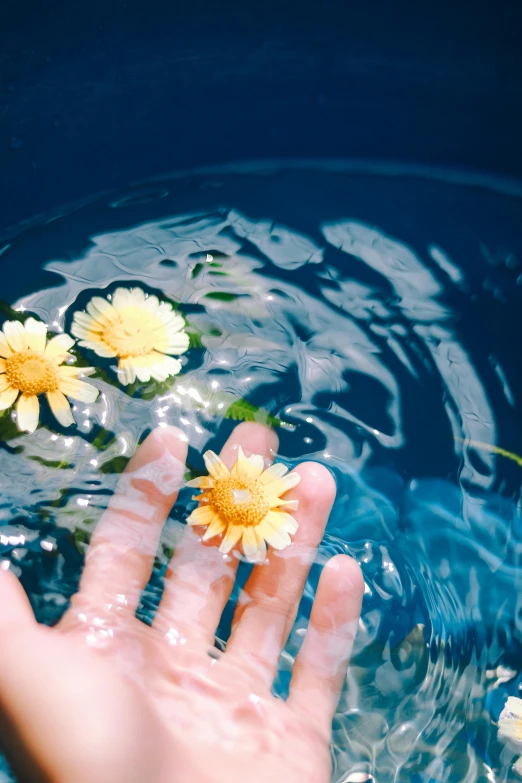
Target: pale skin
(103, 697)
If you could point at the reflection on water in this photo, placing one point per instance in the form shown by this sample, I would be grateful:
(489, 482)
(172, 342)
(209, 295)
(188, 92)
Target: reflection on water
(376, 318)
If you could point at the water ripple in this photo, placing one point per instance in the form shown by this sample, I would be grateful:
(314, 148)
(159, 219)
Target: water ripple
(361, 312)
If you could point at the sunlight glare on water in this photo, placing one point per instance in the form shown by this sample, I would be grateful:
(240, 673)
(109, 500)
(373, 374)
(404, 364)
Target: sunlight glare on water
(377, 317)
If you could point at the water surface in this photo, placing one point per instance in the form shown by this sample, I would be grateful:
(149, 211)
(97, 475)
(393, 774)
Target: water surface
(378, 316)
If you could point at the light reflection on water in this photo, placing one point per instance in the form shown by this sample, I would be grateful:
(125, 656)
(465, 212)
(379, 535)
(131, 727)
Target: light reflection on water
(359, 310)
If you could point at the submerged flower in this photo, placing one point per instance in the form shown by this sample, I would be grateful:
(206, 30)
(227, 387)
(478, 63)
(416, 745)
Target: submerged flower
(137, 329)
(510, 727)
(510, 720)
(245, 504)
(30, 365)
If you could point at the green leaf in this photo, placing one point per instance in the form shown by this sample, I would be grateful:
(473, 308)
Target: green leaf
(11, 314)
(103, 439)
(154, 388)
(196, 270)
(195, 337)
(114, 465)
(492, 449)
(222, 296)
(82, 361)
(8, 428)
(50, 463)
(82, 538)
(242, 410)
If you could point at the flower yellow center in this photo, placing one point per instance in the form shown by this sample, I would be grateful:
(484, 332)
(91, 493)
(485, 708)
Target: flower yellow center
(240, 501)
(133, 333)
(31, 373)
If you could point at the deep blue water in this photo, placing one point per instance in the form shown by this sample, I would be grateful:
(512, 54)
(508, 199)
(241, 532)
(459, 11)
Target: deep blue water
(379, 315)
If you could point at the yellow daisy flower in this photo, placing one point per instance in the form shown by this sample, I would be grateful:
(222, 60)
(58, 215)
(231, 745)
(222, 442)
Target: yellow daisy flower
(510, 720)
(138, 329)
(245, 504)
(30, 365)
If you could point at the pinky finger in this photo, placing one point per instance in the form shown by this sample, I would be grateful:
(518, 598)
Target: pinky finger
(320, 669)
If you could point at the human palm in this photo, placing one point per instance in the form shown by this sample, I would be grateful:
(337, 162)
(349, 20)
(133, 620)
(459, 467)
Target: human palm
(104, 697)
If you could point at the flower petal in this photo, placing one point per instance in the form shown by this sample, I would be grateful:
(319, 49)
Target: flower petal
(510, 728)
(214, 529)
(290, 505)
(126, 372)
(232, 536)
(121, 298)
(250, 543)
(173, 321)
(78, 390)
(165, 367)
(66, 371)
(215, 466)
(35, 334)
(275, 471)
(201, 482)
(282, 485)
(83, 319)
(240, 466)
(99, 347)
(143, 299)
(278, 539)
(153, 365)
(514, 706)
(247, 467)
(61, 408)
(16, 337)
(58, 346)
(5, 351)
(101, 310)
(203, 498)
(27, 412)
(280, 520)
(261, 546)
(169, 317)
(7, 397)
(177, 343)
(80, 331)
(203, 515)
(2, 365)
(143, 373)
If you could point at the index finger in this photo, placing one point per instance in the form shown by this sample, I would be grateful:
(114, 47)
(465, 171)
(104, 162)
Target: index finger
(120, 558)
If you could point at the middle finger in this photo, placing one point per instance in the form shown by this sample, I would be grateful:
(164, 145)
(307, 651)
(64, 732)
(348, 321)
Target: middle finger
(200, 578)
(267, 609)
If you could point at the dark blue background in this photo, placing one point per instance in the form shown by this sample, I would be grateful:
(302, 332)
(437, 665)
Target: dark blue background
(94, 95)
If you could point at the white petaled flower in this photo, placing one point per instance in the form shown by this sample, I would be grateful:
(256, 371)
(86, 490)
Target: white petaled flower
(138, 330)
(31, 365)
(510, 727)
(510, 721)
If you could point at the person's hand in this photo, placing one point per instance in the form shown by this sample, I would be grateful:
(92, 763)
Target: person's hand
(104, 698)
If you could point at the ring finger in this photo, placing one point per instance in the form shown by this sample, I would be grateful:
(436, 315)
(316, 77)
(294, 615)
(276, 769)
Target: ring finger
(266, 613)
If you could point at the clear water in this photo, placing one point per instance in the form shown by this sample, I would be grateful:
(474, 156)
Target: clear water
(379, 316)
